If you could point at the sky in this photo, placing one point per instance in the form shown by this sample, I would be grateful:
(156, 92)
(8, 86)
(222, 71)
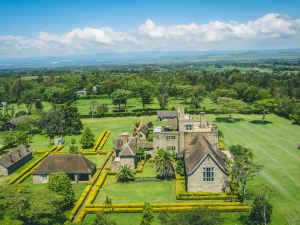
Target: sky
(54, 27)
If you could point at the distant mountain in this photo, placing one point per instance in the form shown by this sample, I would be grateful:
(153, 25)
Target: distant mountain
(83, 60)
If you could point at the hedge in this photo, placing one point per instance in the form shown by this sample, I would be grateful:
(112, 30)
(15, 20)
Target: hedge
(96, 187)
(140, 167)
(172, 204)
(96, 145)
(79, 202)
(173, 207)
(80, 216)
(103, 141)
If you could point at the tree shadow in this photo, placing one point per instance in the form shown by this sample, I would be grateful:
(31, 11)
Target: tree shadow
(260, 122)
(228, 120)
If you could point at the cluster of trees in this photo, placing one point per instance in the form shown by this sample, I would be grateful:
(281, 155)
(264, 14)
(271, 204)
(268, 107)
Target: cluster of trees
(22, 205)
(256, 88)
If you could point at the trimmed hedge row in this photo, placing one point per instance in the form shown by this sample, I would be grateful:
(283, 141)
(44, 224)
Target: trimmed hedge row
(96, 187)
(79, 202)
(80, 216)
(96, 145)
(140, 167)
(58, 148)
(233, 208)
(103, 141)
(166, 205)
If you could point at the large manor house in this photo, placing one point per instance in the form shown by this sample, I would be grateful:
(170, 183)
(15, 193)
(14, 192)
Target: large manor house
(195, 141)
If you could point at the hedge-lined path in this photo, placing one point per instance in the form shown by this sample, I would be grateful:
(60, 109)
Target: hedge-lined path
(80, 212)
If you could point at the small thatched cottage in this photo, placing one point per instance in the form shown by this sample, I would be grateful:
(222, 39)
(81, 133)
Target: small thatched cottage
(206, 170)
(76, 166)
(14, 159)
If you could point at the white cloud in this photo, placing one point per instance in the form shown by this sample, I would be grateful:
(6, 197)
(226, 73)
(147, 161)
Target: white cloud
(270, 31)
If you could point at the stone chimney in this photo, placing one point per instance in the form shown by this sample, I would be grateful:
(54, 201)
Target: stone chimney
(11, 159)
(215, 136)
(19, 152)
(202, 120)
(26, 148)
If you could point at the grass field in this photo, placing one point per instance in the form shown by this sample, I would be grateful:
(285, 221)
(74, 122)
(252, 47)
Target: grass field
(275, 147)
(274, 144)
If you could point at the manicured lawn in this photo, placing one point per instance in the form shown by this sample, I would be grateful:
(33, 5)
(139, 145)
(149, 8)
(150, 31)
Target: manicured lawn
(97, 159)
(275, 147)
(4, 179)
(150, 191)
(148, 171)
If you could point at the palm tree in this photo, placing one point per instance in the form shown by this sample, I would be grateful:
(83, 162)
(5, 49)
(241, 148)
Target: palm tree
(125, 174)
(164, 164)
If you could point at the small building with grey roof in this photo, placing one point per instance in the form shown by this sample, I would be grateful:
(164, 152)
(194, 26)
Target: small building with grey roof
(76, 166)
(14, 159)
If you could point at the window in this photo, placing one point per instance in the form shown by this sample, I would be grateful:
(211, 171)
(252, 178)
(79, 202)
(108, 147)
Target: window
(43, 178)
(208, 174)
(188, 126)
(171, 137)
(171, 148)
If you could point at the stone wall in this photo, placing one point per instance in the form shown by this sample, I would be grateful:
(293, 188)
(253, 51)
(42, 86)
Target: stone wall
(160, 140)
(195, 182)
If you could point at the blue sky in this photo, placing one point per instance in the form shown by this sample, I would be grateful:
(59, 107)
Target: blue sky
(123, 25)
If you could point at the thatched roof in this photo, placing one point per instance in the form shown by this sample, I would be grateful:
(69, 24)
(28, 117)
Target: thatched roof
(167, 114)
(14, 156)
(67, 163)
(197, 150)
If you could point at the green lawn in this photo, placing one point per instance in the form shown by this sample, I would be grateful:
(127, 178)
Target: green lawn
(148, 171)
(275, 147)
(160, 191)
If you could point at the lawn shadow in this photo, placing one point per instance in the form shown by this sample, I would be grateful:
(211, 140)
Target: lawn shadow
(228, 120)
(260, 122)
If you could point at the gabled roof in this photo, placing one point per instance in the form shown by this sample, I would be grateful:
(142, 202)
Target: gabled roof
(167, 114)
(129, 148)
(14, 156)
(67, 163)
(197, 150)
(143, 128)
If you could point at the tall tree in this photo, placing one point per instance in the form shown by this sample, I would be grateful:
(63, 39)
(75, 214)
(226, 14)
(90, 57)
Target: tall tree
(120, 97)
(73, 124)
(243, 168)
(144, 92)
(87, 138)
(61, 184)
(230, 106)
